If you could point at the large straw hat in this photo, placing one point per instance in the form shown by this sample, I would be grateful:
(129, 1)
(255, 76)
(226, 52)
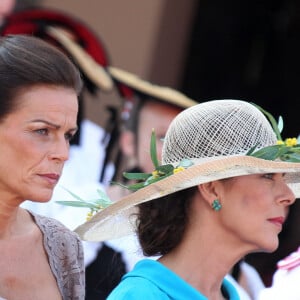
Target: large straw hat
(216, 136)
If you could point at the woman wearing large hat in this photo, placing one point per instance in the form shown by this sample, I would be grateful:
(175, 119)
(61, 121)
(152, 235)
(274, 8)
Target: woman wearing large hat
(223, 190)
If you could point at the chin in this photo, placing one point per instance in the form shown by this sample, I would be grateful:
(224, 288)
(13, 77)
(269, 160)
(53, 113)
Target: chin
(271, 246)
(42, 197)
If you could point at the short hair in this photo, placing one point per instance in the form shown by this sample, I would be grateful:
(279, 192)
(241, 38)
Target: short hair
(27, 61)
(161, 223)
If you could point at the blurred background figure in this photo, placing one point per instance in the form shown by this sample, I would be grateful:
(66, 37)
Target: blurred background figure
(9, 6)
(285, 282)
(150, 107)
(6, 7)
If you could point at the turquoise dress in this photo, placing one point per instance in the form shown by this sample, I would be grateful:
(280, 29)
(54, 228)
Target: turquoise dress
(151, 280)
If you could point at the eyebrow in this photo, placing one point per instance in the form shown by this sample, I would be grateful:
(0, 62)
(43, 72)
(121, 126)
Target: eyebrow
(52, 124)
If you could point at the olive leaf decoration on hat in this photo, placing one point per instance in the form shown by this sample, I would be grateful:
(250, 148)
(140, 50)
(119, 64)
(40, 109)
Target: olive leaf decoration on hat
(160, 171)
(287, 150)
(94, 205)
(144, 179)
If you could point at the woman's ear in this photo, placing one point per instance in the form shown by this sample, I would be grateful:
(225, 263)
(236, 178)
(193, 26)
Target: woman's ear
(127, 144)
(208, 191)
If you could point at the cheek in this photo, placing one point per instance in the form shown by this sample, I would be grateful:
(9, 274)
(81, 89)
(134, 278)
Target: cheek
(23, 151)
(243, 212)
(246, 193)
(251, 205)
(255, 198)
(12, 160)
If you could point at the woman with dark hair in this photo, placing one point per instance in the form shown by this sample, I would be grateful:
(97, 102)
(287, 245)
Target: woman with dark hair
(223, 190)
(39, 88)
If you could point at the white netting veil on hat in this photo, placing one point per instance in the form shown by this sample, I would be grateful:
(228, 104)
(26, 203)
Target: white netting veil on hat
(216, 128)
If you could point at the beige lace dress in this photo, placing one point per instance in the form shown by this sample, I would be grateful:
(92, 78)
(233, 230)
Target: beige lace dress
(66, 258)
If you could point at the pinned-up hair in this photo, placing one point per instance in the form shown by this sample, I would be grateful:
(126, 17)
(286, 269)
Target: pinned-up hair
(27, 61)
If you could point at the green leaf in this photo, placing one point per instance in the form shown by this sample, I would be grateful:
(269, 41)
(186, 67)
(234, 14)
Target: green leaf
(269, 153)
(151, 180)
(153, 151)
(73, 195)
(136, 176)
(103, 196)
(135, 186)
(155, 179)
(78, 204)
(282, 149)
(282, 152)
(164, 169)
(251, 151)
(131, 187)
(272, 121)
(292, 157)
(103, 201)
(295, 149)
(118, 183)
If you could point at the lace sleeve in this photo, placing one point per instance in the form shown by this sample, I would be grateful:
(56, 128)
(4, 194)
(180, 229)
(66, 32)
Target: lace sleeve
(66, 259)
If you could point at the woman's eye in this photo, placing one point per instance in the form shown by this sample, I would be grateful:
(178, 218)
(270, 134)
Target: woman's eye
(269, 175)
(69, 136)
(42, 131)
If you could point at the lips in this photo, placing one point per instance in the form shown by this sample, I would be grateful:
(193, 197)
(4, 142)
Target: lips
(52, 178)
(278, 221)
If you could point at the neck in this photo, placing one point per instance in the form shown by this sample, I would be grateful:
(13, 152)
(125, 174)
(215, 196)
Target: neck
(202, 262)
(204, 274)
(11, 217)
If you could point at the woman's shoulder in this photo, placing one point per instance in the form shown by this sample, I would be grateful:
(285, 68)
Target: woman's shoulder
(137, 288)
(58, 236)
(50, 225)
(65, 252)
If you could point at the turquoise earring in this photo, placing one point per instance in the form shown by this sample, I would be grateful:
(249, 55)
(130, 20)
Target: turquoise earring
(216, 205)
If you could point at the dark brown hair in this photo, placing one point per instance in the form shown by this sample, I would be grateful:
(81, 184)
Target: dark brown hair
(161, 222)
(27, 61)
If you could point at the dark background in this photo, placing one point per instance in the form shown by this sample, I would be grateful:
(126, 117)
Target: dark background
(247, 50)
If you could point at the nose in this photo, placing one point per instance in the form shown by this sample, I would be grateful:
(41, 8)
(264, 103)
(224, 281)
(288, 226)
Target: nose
(60, 150)
(288, 197)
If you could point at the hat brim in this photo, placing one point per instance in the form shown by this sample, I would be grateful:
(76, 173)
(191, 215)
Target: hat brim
(95, 72)
(118, 219)
(162, 93)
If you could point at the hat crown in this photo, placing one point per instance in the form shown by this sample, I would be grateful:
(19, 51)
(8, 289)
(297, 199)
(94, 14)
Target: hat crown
(216, 128)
